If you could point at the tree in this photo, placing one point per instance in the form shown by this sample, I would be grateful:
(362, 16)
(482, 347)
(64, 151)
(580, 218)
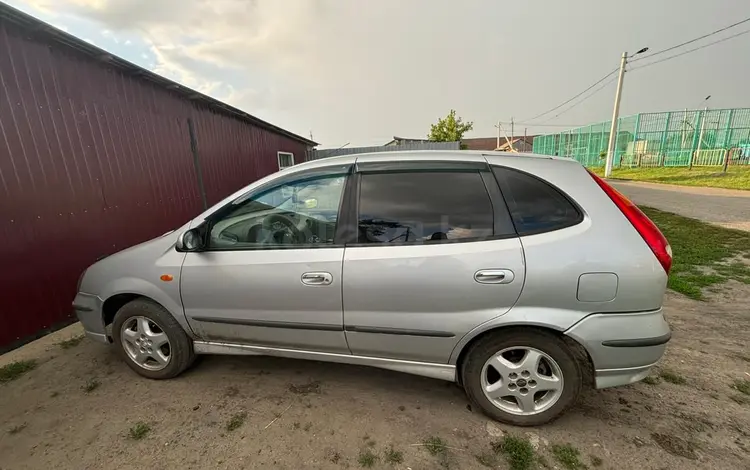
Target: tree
(449, 129)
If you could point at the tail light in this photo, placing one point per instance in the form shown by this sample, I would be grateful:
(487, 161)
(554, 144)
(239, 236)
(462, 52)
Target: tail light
(645, 227)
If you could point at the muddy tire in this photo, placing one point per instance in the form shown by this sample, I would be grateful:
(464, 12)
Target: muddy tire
(151, 341)
(522, 377)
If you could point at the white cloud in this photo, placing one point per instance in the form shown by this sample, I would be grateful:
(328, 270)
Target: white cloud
(361, 70)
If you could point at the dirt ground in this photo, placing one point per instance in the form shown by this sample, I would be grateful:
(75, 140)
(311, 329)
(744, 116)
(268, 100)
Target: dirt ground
(314, 415)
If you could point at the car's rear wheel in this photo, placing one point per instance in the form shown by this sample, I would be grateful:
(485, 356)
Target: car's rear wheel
(151, 341)
(522, 377)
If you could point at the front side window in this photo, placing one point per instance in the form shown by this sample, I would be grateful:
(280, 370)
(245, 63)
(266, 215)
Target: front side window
(285, 160)
(535, 205)
(296, 213)
(423, 207)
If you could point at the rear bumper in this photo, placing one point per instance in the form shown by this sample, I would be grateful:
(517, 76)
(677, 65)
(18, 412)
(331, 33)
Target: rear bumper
(88, 309)
(623, 346)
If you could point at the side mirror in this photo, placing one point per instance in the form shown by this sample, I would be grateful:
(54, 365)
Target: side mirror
(190, 241)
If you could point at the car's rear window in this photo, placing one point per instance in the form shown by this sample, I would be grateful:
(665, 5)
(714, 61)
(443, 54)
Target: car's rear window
(535, 205)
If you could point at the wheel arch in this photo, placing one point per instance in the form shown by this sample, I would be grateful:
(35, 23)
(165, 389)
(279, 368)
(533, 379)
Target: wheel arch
(583, 357)
(128, 289)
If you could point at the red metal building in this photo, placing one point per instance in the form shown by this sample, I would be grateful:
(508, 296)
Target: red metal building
(97, 154)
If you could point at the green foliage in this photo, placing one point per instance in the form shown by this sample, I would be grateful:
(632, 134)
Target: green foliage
(517, 450)
(91, 385)
(568, 456)
(15, 370)
(139, 431)
(367, 458)
(435, 445)
(704, 254)
(236, 421)
(672, 377)
(394, 456)
(742, 386)
(449, 128)
(736, 177)
(71, 342)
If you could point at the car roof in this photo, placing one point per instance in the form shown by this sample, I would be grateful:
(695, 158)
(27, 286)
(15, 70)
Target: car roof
(444, 155)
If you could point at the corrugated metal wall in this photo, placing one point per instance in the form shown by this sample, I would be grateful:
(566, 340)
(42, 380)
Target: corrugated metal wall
(93, 160)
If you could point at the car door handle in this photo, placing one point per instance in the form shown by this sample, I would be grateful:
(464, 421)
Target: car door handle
(494, 276)
(317, 279)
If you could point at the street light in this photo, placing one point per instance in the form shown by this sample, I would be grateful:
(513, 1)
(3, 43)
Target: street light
(616, 113)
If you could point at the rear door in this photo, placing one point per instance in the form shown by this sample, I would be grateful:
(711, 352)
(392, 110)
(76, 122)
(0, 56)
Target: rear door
(435, 254)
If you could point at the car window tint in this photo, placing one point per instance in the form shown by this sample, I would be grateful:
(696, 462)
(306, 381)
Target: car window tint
(535, 205)
(423, 207)
(300, 212)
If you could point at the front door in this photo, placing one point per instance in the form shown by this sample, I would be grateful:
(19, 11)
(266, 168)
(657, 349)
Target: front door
(436, 256)
(271, 273)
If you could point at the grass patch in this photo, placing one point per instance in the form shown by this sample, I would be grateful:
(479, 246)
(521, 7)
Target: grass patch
(651, 380)
(393, 456)
(596, 461)
(367, 458)
(71, 342)
(17, 428)
(704, 254)
(735, 177)
(742, 386)
(435, 445)
(91, 385)
(672, 377)
(236, 421)
(16, 369)
(568, 456)
(517, 450)
(139, 431)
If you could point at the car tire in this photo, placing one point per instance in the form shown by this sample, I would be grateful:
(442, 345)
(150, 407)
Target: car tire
(144, 318)
(556, 359)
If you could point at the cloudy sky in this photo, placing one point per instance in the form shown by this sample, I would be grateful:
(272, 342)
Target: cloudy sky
(363, 71)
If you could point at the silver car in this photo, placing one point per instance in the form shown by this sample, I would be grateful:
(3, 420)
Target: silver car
(523, 278)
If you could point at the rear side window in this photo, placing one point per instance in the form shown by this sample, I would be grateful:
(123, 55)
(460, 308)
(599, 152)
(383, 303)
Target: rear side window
(535, 206)
(421, 207)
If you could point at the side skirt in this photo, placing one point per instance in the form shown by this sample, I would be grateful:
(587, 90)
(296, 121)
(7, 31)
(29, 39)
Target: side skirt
(424, 369)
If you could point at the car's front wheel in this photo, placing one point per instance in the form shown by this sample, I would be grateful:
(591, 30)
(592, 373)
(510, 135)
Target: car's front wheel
(522, 377)
(151, 341)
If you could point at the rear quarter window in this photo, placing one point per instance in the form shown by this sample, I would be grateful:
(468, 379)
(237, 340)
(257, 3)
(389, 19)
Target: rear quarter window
(535, 205)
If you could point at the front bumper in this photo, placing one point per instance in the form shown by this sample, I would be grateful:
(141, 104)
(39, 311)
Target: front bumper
(88, 309)
(623, 346)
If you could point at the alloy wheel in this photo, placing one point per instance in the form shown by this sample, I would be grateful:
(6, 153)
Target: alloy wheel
(522, 380)
(146, 343)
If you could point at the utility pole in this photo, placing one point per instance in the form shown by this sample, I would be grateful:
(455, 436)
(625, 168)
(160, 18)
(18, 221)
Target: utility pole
(512, 128)
(525, 142)
(498, 135)
(615, 116)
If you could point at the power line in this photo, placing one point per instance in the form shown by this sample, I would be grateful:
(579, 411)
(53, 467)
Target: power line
(692, 40)
(604, 85)
(690, 50)
(538, 124)
(576, 96)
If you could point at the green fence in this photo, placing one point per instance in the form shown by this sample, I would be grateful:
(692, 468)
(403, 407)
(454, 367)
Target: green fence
(677, 138)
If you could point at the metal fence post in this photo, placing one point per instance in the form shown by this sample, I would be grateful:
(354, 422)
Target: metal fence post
(696, 137)
(662, 150)
(725, 144)
(635, 139)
